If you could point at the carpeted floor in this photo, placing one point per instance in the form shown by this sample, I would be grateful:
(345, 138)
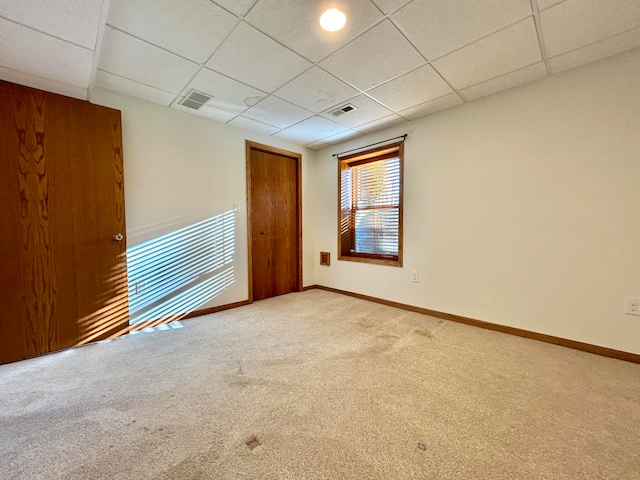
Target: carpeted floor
(319, 385)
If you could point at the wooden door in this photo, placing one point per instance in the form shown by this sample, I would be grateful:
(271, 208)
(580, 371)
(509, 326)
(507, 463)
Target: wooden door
(274, 208)
(63, 280)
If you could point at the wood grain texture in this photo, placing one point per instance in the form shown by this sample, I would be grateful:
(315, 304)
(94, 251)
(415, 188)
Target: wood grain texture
(541, 337)
(63, 199)
(274, 221)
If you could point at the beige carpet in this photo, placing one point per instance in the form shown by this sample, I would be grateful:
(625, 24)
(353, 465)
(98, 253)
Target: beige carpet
(320, 385)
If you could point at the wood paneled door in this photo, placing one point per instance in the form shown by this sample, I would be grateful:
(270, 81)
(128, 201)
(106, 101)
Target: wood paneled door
(274, 221)
(62, 250)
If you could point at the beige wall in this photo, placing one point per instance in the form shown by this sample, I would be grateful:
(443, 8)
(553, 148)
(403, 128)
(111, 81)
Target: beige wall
(521, 209)
(181, 169)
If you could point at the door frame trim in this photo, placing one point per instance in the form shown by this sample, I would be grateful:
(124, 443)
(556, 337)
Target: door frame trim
(284, 153)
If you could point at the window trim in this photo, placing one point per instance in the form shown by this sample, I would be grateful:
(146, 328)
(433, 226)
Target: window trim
(358, 159)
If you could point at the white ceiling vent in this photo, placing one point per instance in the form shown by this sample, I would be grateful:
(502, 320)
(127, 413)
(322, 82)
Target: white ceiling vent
(195, 99)
(343, 109)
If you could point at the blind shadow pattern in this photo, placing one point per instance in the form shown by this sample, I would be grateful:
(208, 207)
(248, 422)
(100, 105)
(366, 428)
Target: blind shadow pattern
(176, 273)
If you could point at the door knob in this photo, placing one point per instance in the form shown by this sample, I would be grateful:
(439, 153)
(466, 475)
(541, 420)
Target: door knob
(263, 233)
(118, 237)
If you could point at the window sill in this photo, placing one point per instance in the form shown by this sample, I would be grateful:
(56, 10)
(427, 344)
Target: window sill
(377, 261)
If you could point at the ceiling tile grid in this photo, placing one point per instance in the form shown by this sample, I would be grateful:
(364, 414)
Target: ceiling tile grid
(375, 57)
(250, 56)
(192, 29)
(270, 68)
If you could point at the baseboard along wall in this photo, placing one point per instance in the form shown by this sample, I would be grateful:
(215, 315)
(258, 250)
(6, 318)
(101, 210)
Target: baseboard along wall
(563, 342)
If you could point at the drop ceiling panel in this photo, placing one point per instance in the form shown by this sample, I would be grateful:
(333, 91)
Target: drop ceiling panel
(293, 137)
(577, 23)
(71, 20)
(388, 55)
(366, 111)
(190, 28)
(510, 49)
(433, 106)
(317, 145)
(413, 88)
(32, 81)
(228, 94)
(277, 112)
(239, 7)
(316, 90)
(134, 89)
(510, 80)
(438, 27)
(295, 24)
(253, 125)
(317, 128)
(388, 6)
(544, 4)
(381, 123)
(255, 59)
(132, 58)
(25, 50)
(342, 137)
(596, 51)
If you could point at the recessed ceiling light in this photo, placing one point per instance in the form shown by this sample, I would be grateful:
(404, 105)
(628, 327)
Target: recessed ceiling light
(333, 20)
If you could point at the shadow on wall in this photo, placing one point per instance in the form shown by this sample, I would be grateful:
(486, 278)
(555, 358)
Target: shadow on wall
(176, 273)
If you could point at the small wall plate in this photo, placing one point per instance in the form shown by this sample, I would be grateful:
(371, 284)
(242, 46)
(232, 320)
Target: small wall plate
(325, 258)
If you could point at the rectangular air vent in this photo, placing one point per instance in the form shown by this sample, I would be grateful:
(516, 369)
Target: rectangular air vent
(343, 109)
(195, 99)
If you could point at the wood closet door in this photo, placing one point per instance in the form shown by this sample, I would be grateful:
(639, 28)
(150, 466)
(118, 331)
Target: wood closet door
(63, 280)
(274, 211)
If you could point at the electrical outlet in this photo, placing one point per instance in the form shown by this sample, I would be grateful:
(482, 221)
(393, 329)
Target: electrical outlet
(632, 306)
(415, 277)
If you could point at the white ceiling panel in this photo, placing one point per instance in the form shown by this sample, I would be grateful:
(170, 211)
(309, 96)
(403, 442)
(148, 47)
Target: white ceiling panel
(414, 88)
(342, 137)
(366, 111)
(503, 52)
(388, 6)
(293, 137)
(215, 113)
(277, 112)
(596, 51)
(25, 50)
(238, 7)
(316, 90)
(577, 23)
(32, 81)
(388, 55)
(190, 28)
(317, 145)
(71, 20)
(295, 24)
(381, 123)
(317, 128)
(510, 80)
(134, 89)
(438, 27)
(433, 106)
(228, 94)
(135, 59)
(544, 4)
(253, 125)
(255, 59)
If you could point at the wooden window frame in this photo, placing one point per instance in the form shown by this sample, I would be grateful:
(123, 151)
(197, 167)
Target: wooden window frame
(379, 153)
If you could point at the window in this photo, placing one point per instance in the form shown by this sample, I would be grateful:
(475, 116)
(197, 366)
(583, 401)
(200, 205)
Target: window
(370, 192)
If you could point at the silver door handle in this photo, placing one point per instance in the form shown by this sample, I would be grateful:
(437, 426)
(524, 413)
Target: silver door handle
(118, 237)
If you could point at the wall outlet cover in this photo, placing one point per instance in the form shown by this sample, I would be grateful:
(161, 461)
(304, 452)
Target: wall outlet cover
(632, 306)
